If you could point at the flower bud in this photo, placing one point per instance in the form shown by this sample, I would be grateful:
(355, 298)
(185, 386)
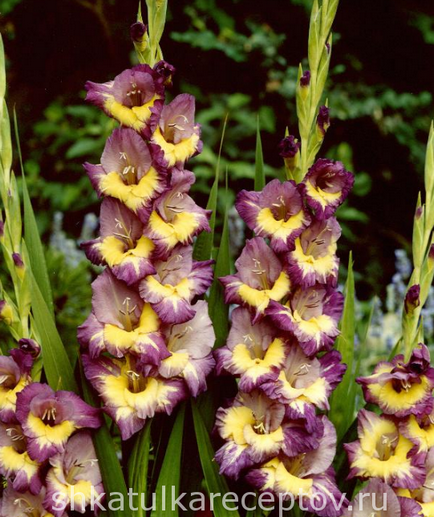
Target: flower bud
(138, 33)
(305, 84)
(30, 346)
(412, 299)
(19, 264)
(323, 121)
(6, 312)
(289, 148)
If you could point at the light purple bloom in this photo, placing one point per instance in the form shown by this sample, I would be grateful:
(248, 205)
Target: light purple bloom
(276, 212)
(130, 397)
(49, 418)
(374, 498)
(326, 186)
(121, 323)
(176, 282)
(253, 352)
(176, 218)
(260, 278)
(127, 173)
(190, 345)
(134, 98)
(16, 504)
(314, 257)
(74, 470)
(177, 135)
(312, 315)
(121, 245)
(14, 377)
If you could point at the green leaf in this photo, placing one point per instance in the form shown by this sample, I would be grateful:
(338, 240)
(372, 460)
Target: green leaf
(343, 399)
(105, 449)
(138, 466)
(32, 237)
(170, 474)
(218, 309)
(259, 161)
(56, 363)
(215, 483)
(204, 242)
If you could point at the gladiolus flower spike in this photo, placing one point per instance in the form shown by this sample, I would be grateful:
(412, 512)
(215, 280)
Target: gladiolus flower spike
(288, 312)
(147, 343)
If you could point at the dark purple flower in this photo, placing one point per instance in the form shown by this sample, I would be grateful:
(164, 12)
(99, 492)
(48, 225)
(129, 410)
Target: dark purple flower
(30, 346)
(166, 72)
(137, 31)
(326, 186)
(49, 418)
(277, 212)
(289, 147)
(305, 79)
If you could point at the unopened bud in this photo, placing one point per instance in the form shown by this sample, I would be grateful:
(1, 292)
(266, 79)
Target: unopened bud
(304, 85)
(30, 346)
(138, 33)
(166, 71)
(289, 148)
(6, 312)
(412, 299)
(323, 120)
(19, 264)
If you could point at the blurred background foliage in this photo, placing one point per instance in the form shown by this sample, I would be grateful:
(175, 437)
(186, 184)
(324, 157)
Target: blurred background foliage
(239, 58)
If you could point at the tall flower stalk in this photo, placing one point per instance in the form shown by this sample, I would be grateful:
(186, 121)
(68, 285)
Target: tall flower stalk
(280, 346)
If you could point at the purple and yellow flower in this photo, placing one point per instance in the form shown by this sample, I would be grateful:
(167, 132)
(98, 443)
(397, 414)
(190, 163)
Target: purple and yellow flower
(419, 430)
(134, 98)
(14, 377)
(423, 495)
(16, 465)
(130, 397)
(49, 418)
(127, 173)
(121, 245)
(16, 504)
(176, 218)
(74, 476)
(121, 322)
(383, 452)
(308, 476)
(376, 498)
(253, 352)
(276, 212)
(314, 257)
(190, 345)
(306, 382)
(400, 388)
(176, 134)
(177, 280)
(260, 278)
(311, 315)
(326, 186)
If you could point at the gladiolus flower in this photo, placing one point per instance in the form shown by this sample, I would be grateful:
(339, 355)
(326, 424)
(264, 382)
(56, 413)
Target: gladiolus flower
(326, 186)
(74, 472)
(312, 315)
(16, 504)
(376, 497)
(49, 418)
(121, 245)
(190, 345)
(314, 257)
(260, 278)
(399, 388)
(276, 212)
(134, 98)
(176, 282)
(254, 352)
(121, 323)
(177, 135)
(130, 397)
(176, 218)
(126, 172)
(15, 462)
(14, 377)
(382, 452)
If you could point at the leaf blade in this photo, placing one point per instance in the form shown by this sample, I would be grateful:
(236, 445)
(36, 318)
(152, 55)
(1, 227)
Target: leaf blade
(259, 161)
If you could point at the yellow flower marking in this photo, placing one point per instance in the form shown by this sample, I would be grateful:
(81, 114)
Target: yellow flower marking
(113, 251)
(174, 153)
(323, 197)
(50, 434)
(254, 367)
(180, 229)
(135, 117)
(261, 299)
(280, 229)
(403, 400)
(15, 461)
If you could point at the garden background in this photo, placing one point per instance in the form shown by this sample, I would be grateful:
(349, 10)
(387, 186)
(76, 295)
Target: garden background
(244, 55)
